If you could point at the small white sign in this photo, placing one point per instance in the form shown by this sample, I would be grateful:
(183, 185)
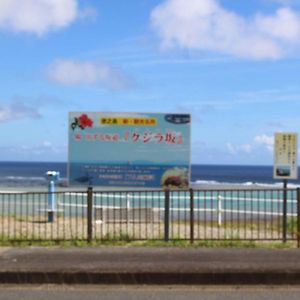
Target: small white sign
(285, 156)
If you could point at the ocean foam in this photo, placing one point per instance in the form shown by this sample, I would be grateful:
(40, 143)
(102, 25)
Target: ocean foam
(275, 185)
(21, 178)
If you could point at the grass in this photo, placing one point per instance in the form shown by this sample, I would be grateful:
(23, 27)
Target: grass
(292, 223)
(231, 238)
(128, 242)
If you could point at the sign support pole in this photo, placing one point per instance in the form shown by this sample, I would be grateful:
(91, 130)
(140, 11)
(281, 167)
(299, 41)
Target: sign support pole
(284, 218)
(285, 167)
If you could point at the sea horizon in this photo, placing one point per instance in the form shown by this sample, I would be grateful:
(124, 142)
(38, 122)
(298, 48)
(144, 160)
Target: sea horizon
(202, 164)
(32, 174)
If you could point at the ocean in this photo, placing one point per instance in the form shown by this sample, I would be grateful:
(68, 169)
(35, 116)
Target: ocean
(31, 174)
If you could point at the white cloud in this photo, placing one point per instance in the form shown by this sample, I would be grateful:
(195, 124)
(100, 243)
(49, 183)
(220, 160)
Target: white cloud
(246, 148)
(17, 110)
(39, 16)
(72, 72)
(45, 149)
(47, 144)
(88, 12)
(231, 149)
(265, 140)
(236, 149)
(285, 25)
(253, 147)
(206, 25)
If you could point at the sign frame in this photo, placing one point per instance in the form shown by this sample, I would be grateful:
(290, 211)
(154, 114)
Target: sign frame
(156, 130)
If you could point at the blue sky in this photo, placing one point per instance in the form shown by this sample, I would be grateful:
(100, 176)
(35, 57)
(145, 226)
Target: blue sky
(233, 64)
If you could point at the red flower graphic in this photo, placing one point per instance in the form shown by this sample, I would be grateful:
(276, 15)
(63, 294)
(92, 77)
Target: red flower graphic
(82, 122)
(85, 121)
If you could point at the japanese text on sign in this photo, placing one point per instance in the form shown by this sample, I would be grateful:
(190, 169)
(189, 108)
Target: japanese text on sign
(129, 121)
(168, 137)
(285, 156)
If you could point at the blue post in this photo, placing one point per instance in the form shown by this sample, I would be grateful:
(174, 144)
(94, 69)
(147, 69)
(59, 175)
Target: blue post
(51, 201)
(51, 176)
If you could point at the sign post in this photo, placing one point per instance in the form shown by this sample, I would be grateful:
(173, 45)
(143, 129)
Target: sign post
(52, 177)
(285, 167)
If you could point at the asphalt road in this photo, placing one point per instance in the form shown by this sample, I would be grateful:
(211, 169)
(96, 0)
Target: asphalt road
(51, 292)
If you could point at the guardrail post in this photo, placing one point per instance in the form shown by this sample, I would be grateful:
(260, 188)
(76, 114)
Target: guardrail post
(167, 215)
(192, 215)
(219, 210)
(298, 217)
(89, 214)
(284, 218)
(127, 211)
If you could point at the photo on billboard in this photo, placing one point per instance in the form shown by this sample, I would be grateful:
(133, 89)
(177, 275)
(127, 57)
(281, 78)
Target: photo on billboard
(129, 149)
(283, 171)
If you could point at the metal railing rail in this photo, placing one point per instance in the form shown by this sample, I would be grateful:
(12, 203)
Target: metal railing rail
(153, 214)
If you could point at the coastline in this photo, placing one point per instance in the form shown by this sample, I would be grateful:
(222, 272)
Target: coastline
(194, 186)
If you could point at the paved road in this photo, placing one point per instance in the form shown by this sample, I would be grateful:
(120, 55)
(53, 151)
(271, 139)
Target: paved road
(148, 292)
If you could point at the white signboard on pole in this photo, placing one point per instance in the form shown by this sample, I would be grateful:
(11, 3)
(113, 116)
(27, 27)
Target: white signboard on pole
(285, 156)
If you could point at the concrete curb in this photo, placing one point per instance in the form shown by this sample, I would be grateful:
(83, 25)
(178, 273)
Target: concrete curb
(159, 266)
(220, 278)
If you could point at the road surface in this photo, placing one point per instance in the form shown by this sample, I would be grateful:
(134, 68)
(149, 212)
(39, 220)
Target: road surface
(51, 292)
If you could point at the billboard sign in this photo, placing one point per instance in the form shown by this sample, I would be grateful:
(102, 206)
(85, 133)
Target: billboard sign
(129, 149)
(285, 156)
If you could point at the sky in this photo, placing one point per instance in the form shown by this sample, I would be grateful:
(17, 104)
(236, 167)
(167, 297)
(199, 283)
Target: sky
(234, 65)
